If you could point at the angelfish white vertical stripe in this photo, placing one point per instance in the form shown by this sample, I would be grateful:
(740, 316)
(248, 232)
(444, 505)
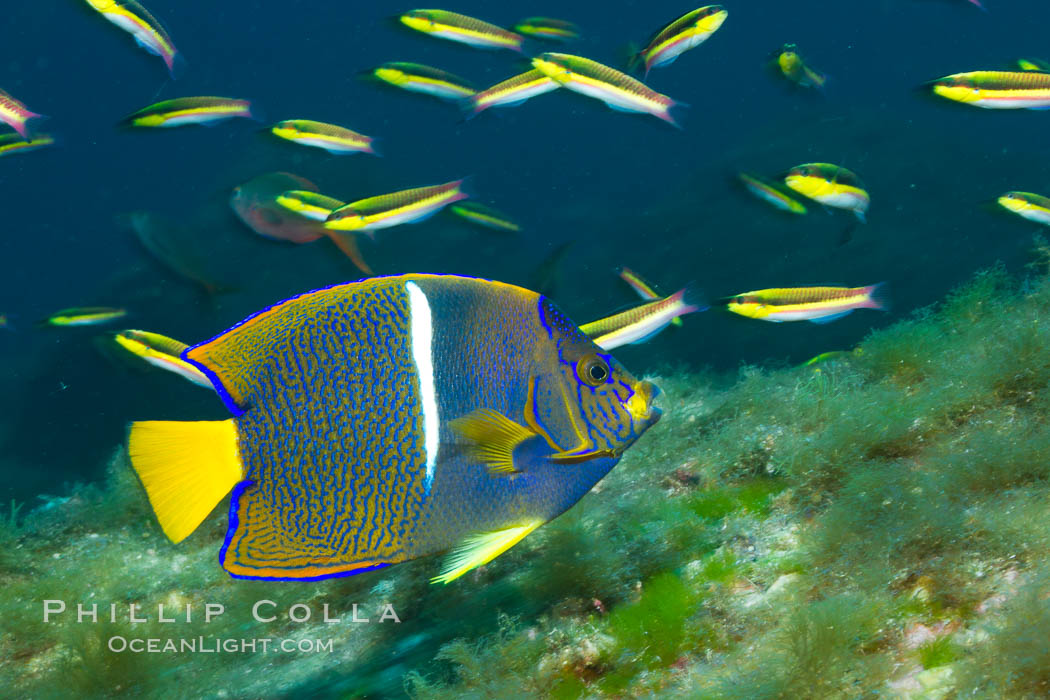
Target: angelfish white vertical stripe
(422, 339)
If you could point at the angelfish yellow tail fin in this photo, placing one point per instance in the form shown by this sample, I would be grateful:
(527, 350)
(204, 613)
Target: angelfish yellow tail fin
(187, 467)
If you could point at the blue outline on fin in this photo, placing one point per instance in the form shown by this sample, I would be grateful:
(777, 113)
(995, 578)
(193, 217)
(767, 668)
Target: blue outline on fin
(227, 400)
(238, 491)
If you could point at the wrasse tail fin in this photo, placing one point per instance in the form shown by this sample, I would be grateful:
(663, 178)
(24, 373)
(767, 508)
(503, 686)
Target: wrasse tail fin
(693, 299)
(491, 438)
(469, 108)
(674, 114)
(481, 549)
(878, 297)
(186, 468)
(177, 67)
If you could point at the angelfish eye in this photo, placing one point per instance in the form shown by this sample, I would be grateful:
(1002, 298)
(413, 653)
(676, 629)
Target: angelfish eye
(592, 370)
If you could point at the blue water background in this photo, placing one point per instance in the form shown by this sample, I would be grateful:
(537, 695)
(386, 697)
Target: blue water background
(623, 189)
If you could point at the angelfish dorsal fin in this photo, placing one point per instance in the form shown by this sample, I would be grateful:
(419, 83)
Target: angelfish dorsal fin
(490, 437)
(481, 549)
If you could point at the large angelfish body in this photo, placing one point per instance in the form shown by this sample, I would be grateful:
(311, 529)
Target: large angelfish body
(384, 420)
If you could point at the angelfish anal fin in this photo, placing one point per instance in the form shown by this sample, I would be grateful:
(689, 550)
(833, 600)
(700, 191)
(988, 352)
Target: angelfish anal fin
(480, 549)
(491, 438)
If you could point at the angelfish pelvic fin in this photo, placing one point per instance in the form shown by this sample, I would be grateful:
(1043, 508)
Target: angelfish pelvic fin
(491, 438)
(481, 549)
(577, 457)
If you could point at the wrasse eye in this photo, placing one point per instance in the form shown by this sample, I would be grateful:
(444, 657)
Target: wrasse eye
(592, 370)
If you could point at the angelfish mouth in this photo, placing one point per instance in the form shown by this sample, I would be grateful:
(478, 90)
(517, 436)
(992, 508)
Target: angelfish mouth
(640, 405)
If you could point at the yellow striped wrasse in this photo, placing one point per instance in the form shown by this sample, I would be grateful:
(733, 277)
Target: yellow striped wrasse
(13, 143)
(404, 207)
(645, 290)
(84, 316)
(796, 70)
(686, 32)
(511, 92)
(163, 352)
(768, 192)
(641, 323)
(429, 81)
(816, 304)
(484, 216)
(829, 356)
(147, 31)
(189, 110)
(461, 28)
(1033, 64)
(312, 205)
(618, 90)
(548, 28)
(15, 114)
(334, 139)
(1033, 207)
(831, 185)
(997, 89)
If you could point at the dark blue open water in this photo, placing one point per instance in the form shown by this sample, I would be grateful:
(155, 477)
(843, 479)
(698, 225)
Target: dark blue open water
(623, 189)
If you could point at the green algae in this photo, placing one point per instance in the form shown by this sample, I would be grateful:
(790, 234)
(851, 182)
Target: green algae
(781, 533)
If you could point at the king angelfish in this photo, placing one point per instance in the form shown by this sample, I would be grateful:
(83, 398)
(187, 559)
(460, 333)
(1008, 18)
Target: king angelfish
(387, 419)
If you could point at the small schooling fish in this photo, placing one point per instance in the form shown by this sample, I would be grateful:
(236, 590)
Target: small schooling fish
(771, 194)
(163, 352)
(416, 77)
(511, 92)
(396, 208)
(189, 110)
(831, 185)
(84, 316)
(287, 207)
(13, 143)
(645, 290)
(312, 205)
(795, 70)
(686, 32)
(996, 89)
(618, 90)
(466, 30)
(337, 140)
(1034, 207)
(15, 114)
(385, 420)
(483, 216)
(143, 27)
(1033, 64)
(641, 323)
(548, 28)
(816, 304)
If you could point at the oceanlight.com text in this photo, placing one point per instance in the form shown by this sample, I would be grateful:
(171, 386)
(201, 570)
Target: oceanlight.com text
(218, 645)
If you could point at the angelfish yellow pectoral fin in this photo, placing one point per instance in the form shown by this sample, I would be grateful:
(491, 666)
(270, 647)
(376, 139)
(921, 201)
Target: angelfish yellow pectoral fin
(481, 549)
(490, 437)
(186, 467)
